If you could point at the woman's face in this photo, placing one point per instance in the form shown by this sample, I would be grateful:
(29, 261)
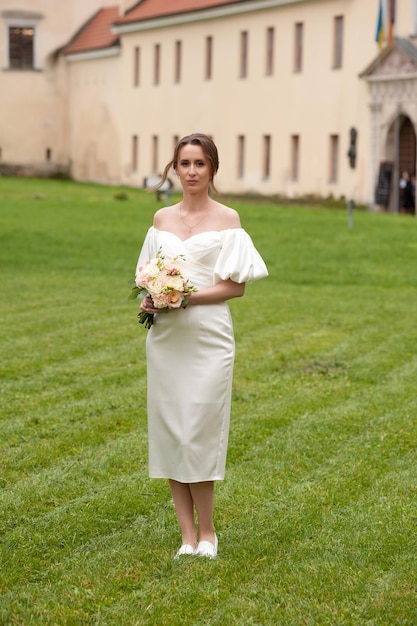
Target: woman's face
(193, 168)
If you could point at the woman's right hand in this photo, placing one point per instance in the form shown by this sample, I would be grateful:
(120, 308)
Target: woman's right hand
(148, 305)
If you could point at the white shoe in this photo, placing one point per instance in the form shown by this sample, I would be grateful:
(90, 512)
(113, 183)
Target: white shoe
(185, 549)
(206, 548)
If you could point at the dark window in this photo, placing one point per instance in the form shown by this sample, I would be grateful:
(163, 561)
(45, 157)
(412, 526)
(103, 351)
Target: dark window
(209, 57)
(244, 42)
(157, 64)
(21, 47)
(267, 156)
(338, 41)
(334, 158)
(298, 47)
(178, 55)
(136, 66)
(155, 153)
(240, 156)
(295, 157)
(134, 153)
(270, 37)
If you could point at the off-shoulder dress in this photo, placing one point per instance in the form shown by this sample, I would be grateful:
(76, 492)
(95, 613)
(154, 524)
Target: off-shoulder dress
(190, 355)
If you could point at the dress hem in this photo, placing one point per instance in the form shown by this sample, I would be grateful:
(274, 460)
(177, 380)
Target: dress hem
(186, 480)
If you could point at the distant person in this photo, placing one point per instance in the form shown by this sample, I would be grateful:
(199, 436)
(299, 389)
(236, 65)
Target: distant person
(408, 199)
(190, 350)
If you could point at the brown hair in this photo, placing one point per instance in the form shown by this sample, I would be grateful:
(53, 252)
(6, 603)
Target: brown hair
(209, 148)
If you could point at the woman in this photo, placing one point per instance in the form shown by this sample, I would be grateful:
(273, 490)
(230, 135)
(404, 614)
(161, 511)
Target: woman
(406, 185)
(190, 351)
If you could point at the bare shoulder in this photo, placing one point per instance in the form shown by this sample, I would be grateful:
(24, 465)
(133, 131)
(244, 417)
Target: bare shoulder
(163, 217)
(229, 217)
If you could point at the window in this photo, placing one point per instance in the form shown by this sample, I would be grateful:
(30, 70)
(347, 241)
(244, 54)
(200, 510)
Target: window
(243, 71)
(295, 157)
(209, 58)
(134, 153)
(266, 169)
(21, 38)
(240, 156)
(21, 48)
(157, 64)
(177, 68)
(136, 66)
(334, 158)
(338, 42)
(154, 154)
(270, 41)
(298, 47)
(48, 154)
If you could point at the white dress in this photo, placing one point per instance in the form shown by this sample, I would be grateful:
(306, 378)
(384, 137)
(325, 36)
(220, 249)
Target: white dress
(190, 354)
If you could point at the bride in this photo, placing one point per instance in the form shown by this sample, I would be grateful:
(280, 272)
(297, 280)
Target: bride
(190, 351)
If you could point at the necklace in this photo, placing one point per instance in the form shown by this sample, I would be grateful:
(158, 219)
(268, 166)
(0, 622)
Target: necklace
(191, 228)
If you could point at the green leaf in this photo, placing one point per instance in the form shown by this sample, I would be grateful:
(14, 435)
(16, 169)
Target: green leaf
(136, 291)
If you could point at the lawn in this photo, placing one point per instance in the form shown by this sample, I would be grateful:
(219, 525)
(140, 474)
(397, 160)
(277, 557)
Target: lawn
(317, 516)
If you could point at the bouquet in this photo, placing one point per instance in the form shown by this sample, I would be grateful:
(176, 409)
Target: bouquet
(162, 279)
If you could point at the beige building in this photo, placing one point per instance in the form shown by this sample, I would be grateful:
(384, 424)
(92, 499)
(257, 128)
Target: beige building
(106, 88)
(34, 81)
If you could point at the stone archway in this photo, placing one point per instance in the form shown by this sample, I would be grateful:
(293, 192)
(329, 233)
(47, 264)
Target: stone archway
(392, 81)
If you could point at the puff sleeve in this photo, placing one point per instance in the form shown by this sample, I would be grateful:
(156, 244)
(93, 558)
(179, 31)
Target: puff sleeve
(149, 248)
(239, 259)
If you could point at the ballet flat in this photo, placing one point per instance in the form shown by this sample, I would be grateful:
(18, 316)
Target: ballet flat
(185, 549)
(206, 548)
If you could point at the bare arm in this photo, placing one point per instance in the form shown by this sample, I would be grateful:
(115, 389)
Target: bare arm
(225, 290)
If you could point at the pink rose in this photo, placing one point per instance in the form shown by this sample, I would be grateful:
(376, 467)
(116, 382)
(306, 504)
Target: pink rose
(160, 300)
(174, 299)
(171, 269)
(142, 280)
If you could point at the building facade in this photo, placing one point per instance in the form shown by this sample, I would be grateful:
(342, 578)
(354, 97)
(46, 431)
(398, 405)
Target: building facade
(33, 81)
(278, 84)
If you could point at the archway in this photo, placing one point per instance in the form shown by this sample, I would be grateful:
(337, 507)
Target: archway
(406, 157)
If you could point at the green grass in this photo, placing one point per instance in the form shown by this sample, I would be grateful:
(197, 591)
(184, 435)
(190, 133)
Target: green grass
(317, 516)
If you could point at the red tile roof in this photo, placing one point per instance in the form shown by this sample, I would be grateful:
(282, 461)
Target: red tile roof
(148, 9)
(96, 33)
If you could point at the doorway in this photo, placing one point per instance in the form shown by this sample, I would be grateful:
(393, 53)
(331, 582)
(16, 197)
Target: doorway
(406, 163)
